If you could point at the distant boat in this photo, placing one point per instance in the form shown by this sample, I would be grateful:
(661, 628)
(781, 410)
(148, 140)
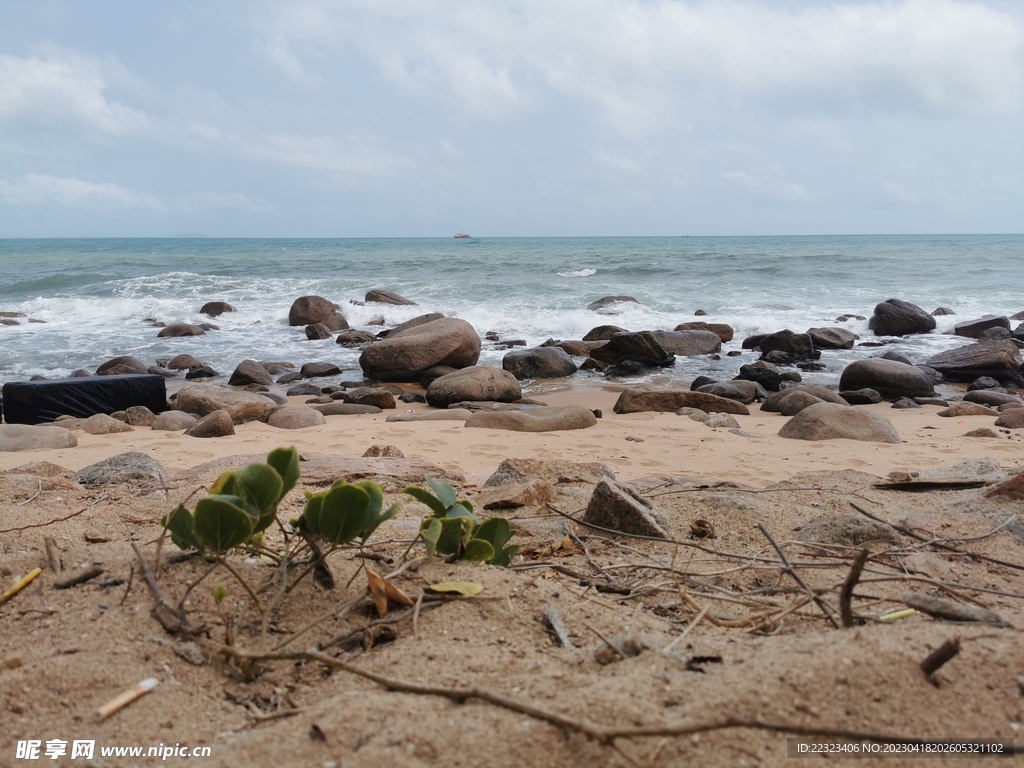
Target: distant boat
(462, 236)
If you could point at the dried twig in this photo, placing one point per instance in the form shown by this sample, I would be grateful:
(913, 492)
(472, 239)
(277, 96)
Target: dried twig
(80, 577)
(43, 525)
(33, 496)
(553, 622)
(845, 609)
(934, 660)
(796, 577)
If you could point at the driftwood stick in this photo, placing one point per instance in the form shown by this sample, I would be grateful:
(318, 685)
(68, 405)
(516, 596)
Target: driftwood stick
(79, 577)
(941, 608)
(846, 593)
(43, 525)
(554, 624)
(934, 660)
(796, 577)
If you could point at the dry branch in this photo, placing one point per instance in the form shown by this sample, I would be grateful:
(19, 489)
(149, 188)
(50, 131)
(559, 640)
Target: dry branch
(845, 595)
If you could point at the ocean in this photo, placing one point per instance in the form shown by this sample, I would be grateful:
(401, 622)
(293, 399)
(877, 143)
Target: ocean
(96, 297)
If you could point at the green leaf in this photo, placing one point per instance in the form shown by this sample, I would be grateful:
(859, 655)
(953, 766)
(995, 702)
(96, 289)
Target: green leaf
(181, 525)
(376, 494)
(444, 492)
(311, 513)
(343, 514)
(495, 531)
(431, 533)
(503, 557)
(479, 551)
(224, 484)
(455, 532)
(468, 588)
(424, 496)
(462, 509)
(373, 522)
(263, 486)
(221, 523)
(286, 462)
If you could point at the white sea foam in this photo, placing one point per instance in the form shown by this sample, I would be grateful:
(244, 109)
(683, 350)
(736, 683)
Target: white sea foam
(586, 272)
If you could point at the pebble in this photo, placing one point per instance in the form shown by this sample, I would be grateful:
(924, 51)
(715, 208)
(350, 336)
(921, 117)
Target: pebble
(96, 536)
(12, 661)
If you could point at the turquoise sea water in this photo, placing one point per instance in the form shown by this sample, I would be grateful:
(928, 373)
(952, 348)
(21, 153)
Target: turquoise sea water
(95, 295)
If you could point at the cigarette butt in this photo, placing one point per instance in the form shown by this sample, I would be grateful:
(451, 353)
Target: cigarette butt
(123, 700)
(22, 583)
(897, 615)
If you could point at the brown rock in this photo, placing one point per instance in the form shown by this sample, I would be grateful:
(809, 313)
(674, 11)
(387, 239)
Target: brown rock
(530, 493)
(215, 424)
(345, 409)
(830, 421)
(307, 310)
(482, 382)
(387, 297)
(215, 308)
(102, 424)
(317, 332)
(671, 400)
(723, 331)
(173, 421)
(175, 330)
(991, 358)
(981, 432)
(688, 343)
(292, 417)
(182, 362)
(383, 451)
(140, 416)
(890, 378)
(448, 414)
(621, 509)
(603, 332)
(404, 355)
(315, 370)
(351, 338)
(552, 472)
(846, 531)
(771, 403)
(535, 419)
(250, 372)
(972, 329)
(379, 398)
(133, 365)
(22, 437)
(1011, 419)
(963, 408)
(204, 399)
(794, 402)
(1011, 489)
(610, 304)
(894, 317)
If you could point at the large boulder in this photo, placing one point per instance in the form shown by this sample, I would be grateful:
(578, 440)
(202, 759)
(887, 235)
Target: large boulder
(890, 378)
(418, 320)
(641, 347)
(603, 332)
(307, 310)
(831, 421)
(215, 308)
(832, 338)
(539, 419)
(671, 400)
(765, 374)
(317, 332)
(354, 338)
(772, 403)
(182, 362)
(377, 397)
(122, 364)
(788, 347)
(317, 370)
(387, 297)
(894, 317)
(406, 354)
(972, 329)
(482, 382)
(793, 402)
(176, 330)
(204, 399)
(23, 437)
(249, 372)
(998, 359)
(1011, 419)
(742, 391)
(293, 417)
(688, 342)
(539, 363)
(988, 397)
(102, 424)
(723, 331)
(215, 424)
(608, 305)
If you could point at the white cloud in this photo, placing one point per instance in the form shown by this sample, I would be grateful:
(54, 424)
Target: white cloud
(40, 189)
(62, 85)
(775, 190)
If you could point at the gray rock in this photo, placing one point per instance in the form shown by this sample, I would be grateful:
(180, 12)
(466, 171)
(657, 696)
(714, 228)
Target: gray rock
(772, 402)
(102, 424)
(291, 417)
(721, 330)
(846, 531)
(404, 355)
(418, 320)
(215, 308)
(384, 451)
(535, 419)
(832, 338)
(830, 421)
(988, 397)
(379, 398)
(722, 420)
(387, 297)
(905, 403)
(998, 359)
(449, 414)
(215, 424)
(140, 416)
(608, 305)
(864, 396)
(305, 389)
(671, 400)
(126, 468)
(796, 400)
(696, 414)
(317, 332)
(204, 399)
(189, 651)
(603, 333)
(345, 409)
(941, 311)
(891, 379)
(176, 330)
(789, 346)
(173, 421)
(23, 437)
(972, 329)
(765, 374)
(620, 508)
(539, 363)
(894, 317)
(482, 382)
(201, 371)
(552, 472)
(733, 390)
(413, 396)
(352, 338)
(687, 343)
(315, 370)
(249, 372)
(641, 347)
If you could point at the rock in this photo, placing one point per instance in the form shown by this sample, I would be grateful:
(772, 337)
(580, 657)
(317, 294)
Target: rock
(102, 424)
(384, 451)
(305, 389)
(201, 371)
(863, 396)
(608, 305)
(700, 313)
(772, 402)
(932, 401)
(450, 414)
(981, 432)
(122, 364)
(830, 421)
(204, 399)
(998, 359)
(723, 331)
(215, 308)
(317, 332)
(307, 310)
(848, 317)
(552, 472)
(891, 379)
(1018, 333)
(387, 297)
(671, 400)
(529, 493)
(621, 509)
(603, 333)
(22, 437)
(790, 347)
(765, 374)
(345, 409)
(573, 348)
(175, 330)
(988, 397)
(539, 363)
(535, 419)
(379, 398)
(891, 355)
(1011, 489)
(482, 382)
(190, 652)
(121, 416)
(985, 382)
(847, 531)
(742, 391)
(131, 468)
(279, 399)
(290, 377)
(995, 334)
(317, 370)
(752, 342)
(904, 403)
(172, 421)
(1011, 419)
(249, 372)
(352, 338)
(418, 320)
(972, 329)
(81, 373)
(590, 364)
(1007, 406)
(291, 417)
(795, 400)
(832, 338)
(140, 416)
(641, 347)
(182, 362)
(688, 343)
(894, 317)
(940, 311)
(701, 381)
(404, 355)
(216, 424)
(696, 414)
(413, 396)
(96, 536)
(722, 420)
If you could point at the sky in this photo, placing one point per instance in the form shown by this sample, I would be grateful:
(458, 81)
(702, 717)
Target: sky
(355, 118)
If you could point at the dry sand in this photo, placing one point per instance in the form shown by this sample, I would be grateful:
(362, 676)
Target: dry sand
(69, 651)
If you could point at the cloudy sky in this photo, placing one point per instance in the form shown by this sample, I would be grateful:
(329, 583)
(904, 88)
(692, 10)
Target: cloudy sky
(510, 117)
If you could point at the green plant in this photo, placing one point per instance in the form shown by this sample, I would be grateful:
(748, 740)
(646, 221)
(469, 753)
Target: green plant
(346, 511)
(455, 532)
